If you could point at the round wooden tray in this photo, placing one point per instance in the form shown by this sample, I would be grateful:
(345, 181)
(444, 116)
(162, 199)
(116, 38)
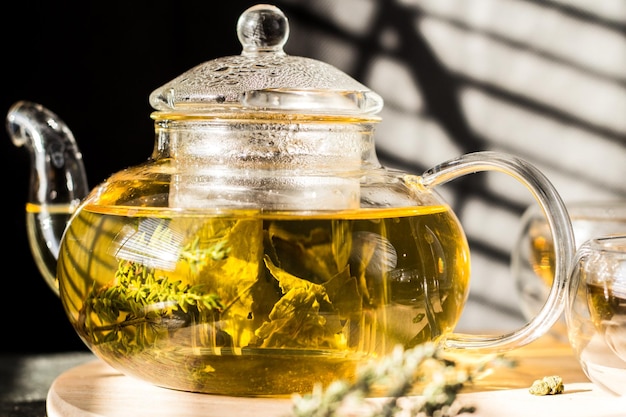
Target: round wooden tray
(94, 389)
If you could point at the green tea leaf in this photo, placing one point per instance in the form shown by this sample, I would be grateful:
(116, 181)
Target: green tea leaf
(343, 292)
(296, 319)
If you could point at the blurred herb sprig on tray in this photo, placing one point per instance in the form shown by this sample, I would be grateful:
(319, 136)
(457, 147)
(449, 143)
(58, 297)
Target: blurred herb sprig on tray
(440, 381)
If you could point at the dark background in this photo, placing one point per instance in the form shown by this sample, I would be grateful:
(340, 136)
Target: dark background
(94, 64)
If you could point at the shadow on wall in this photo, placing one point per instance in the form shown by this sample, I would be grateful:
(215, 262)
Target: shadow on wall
(544, 80)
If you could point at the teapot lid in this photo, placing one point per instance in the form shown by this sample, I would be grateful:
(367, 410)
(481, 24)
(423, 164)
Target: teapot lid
(265, 79)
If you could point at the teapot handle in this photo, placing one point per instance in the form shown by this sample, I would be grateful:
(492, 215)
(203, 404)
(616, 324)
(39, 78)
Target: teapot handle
(560, 226)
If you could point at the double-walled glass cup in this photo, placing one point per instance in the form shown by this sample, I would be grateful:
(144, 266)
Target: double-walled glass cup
(596, 311)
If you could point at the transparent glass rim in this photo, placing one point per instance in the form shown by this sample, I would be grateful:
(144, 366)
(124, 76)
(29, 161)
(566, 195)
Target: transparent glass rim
(609, 243)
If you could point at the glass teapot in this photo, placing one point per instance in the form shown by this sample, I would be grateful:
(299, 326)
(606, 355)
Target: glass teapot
(262, 248)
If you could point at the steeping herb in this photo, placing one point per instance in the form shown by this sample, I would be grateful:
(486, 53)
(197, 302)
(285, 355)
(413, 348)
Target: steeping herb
(141, 299)
(298, 319)
(141, 304)
(300, 313)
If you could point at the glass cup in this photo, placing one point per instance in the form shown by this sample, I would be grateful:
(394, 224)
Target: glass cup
(596, 311)
(532, 258)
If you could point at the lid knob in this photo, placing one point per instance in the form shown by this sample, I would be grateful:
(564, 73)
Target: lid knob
(262, 28)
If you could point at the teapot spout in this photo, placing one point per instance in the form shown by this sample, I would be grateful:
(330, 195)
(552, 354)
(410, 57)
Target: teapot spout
(58, 181)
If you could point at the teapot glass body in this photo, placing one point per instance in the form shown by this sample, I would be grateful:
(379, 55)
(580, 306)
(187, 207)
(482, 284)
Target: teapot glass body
(262, 267)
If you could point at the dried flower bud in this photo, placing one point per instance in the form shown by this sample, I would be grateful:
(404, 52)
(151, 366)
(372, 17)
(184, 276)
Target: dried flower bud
(548, 385)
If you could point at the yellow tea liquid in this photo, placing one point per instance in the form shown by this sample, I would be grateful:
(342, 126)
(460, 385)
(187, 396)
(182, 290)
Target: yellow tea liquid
(542, 246)
(255, 303)
(46, 224)
(607, 307)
